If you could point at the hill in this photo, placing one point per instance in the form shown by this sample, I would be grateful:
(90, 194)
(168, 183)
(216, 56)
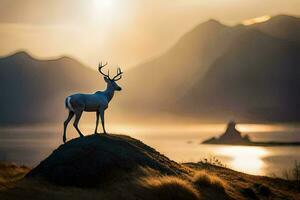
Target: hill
(84, 162)
(120, 167)
(34, 90)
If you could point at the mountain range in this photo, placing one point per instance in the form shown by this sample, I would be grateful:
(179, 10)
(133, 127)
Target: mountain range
(33, 90)
(214, 72)
(218, 73)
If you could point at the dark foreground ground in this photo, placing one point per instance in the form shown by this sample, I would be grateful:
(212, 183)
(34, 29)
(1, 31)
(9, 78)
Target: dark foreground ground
(120, 167)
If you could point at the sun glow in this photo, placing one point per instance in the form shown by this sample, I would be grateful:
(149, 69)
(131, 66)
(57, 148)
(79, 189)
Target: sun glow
(103, 4)
(256, 20)
(104, 10)
(266, 128)
(245, 158)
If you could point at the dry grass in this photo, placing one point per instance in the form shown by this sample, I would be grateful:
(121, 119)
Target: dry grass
(167, 188)
(146, 184)
(10, 174)
(212, 160)
(141, 184)
(249, 193)
(205, 179)
(263, 190)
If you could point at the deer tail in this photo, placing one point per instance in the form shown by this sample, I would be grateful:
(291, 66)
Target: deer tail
(68, 104)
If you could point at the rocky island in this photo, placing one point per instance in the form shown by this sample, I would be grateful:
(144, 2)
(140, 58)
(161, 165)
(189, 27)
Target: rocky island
(234, 137)
(231, 136)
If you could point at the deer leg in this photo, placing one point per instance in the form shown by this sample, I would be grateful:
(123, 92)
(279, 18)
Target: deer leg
(97, 121)
(71, 114)
(102, 120)
(75, 124)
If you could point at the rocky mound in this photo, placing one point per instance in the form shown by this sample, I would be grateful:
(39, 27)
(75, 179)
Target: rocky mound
(234, 137)
(95, 159)
(231, 136)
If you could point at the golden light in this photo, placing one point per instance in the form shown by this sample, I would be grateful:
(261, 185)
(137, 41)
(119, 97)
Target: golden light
(266, 128)
(104, 11)
(103, 4)
(245, 159)
(256, 20)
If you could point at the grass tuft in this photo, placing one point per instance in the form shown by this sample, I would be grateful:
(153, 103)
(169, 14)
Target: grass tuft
(212, 160)
(204, 179)
(10, 174)
(167, 188)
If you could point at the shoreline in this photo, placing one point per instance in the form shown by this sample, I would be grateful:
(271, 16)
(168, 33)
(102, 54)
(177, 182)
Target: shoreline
(264, 144)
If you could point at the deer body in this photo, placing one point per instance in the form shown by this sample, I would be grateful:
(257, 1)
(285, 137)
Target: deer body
(90, 102)
(97, 102)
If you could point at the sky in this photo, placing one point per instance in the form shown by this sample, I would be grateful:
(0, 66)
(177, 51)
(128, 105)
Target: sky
(123, 32)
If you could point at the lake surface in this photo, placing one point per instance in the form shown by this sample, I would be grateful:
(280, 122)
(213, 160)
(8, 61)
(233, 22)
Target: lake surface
(30, 144)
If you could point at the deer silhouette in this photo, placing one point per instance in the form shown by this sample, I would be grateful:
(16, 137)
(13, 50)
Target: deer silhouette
(97, 102)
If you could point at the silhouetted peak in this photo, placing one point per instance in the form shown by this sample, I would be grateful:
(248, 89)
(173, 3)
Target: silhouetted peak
(213, 23)
(284, 18)
(230, 136)
(281, 26)
(21, 54)
(68, 59)
(231, 130)
(207, 27)
(65, 58)
(62, 59)
(26, 56)
(231, 125)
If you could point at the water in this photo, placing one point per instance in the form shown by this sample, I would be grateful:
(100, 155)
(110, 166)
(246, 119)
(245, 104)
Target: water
(30, 144)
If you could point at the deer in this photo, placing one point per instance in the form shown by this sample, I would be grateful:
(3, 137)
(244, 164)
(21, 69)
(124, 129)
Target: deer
(98, 102)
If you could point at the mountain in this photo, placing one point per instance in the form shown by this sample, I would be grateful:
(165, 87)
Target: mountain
(34, 90)
(214, 72)
(244, 81)
(219, 73)
(256, 79)
(281, 26)
(160, 80)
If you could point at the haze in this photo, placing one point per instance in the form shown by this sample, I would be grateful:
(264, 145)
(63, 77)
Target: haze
(124, 32)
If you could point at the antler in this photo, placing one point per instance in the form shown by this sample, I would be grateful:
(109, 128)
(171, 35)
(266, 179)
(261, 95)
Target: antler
(100, 69)
(119, 75)
(115, 78)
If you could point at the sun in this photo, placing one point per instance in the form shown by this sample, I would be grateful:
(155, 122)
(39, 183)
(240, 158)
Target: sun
(104, 10)
(103, 4)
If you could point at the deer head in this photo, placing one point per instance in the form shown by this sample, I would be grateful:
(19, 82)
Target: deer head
(111, 81)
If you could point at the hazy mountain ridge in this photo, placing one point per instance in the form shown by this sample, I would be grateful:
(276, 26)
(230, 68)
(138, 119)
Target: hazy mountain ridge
(34, 90)
(214, 72)
(178, 68)
(249, 73)
(281, 26)
(244, 84)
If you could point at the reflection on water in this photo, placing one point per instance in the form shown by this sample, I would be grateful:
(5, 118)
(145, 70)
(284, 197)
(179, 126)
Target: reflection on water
(29, 145)
(245, 159)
